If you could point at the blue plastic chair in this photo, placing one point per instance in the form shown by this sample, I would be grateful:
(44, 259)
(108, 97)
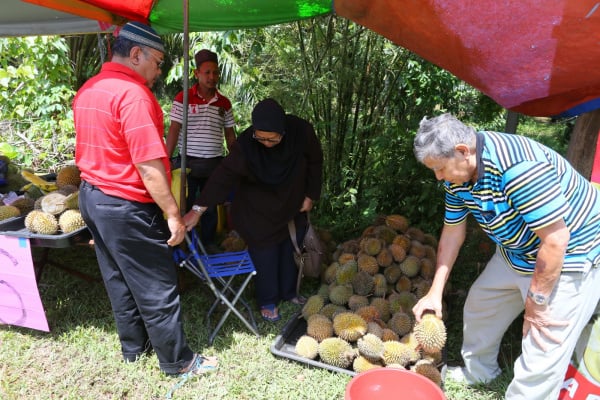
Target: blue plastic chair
(219, 271)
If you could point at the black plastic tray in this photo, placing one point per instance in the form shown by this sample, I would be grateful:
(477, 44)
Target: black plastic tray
(16, 227)
(284, 345)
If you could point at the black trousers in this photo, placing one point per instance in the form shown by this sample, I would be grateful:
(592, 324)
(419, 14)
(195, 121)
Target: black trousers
(139, 274)
(276, 271)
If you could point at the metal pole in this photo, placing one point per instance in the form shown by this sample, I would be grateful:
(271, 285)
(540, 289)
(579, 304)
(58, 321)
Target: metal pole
(184, 121)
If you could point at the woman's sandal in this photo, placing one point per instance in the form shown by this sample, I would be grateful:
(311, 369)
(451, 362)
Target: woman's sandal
(269, 312)
(298, 300)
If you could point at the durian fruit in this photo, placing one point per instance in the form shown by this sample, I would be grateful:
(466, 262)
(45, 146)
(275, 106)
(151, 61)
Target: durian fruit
(357, 301)
(330, 310)
(319, 327)
(379, 285)
(401, 323)
(398, 252)
(7, 212)
(371, 246)
(68, 175)
(345, 257)
(375, 329)
(312, 306)
(389, 335)
(340, 294)
(392, 273)
(415, 233)
(53, 203)
(368, 313)
(337, 352)
(24, 204)
(421, 287)
(368, 264)
(70, 221)
(403, 284)
(371, 347)
(385, 257)
(411, 266)
(402, 301)
(349, 326)
(345, 272)
(397, 222)
(330, 272)
(383, 308)
(385, 233)
(68, 189)
(427, 270)
(404, 242)
(395, 352)
(362, 364)
(307, 347)
(430, 332)
(41, 222)
(428, 370)
(72, 202)
(362, 283)
(417, 249)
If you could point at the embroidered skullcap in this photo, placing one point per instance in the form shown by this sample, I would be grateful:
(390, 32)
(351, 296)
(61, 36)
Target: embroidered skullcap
(268, 116)
(205, 55)
(142, 34)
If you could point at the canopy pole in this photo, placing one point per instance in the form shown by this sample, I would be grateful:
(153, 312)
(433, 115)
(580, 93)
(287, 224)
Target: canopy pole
(184, 120)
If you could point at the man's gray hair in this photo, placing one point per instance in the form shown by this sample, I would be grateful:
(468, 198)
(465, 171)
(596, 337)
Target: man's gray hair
(438, 136)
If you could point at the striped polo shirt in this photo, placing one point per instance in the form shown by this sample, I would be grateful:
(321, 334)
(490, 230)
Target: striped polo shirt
(206, 120)
(523, 185)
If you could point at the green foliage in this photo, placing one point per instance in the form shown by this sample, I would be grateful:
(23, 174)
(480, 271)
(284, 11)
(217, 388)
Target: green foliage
(36, 79)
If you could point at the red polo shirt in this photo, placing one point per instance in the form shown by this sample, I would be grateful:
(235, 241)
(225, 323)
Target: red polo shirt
(118, 123)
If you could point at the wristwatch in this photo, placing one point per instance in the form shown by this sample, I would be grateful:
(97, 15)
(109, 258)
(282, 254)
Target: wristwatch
(198, 209)
(537, 298)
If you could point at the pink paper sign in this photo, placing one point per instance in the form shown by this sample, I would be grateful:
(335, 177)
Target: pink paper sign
(20, 302)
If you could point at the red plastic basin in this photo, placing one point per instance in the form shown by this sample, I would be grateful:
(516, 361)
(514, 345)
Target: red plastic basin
(392, 383)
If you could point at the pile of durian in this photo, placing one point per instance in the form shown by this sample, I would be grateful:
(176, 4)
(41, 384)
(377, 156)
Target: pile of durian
(50, 208)
(361, 317)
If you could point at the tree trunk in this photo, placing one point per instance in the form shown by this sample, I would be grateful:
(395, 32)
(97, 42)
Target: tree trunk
(512, 121)
(582, 145)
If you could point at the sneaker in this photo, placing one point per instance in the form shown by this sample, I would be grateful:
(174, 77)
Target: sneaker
(201, 365)
(457, 374)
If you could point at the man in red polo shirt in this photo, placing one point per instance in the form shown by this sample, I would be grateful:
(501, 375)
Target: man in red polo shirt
(125, 197)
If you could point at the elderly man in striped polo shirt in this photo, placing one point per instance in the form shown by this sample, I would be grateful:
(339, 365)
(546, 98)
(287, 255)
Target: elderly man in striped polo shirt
(545, 220)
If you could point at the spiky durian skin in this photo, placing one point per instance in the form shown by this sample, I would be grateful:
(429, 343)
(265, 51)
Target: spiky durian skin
(337, 352)
(307, 347)
(24, 204)
(388, 335)
(312, 306)
(68, 175)
(7, 212)
(70, 221)
(371, 246)
(367, 264)
(349, 326)
(368, 313)
(430, 332)
(340, 294)
(370, 346)
(41, 222)
(384, 258)
(398, 252)
(357, 301)
(380, 287)
(330, 310)
(319, 327)
(395, 352)
(401, 323)
(428, 370)
(397, 222)
(411, 266)
(383, 307)
(362, 364)
(375, 329)
(392, 273)
(362, 283)
(345, 273)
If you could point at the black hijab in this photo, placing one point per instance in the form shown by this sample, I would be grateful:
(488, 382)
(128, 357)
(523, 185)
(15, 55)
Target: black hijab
(276, 165)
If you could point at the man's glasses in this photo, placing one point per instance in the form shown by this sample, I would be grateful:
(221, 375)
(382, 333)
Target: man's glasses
(266, 140)
(158, 61)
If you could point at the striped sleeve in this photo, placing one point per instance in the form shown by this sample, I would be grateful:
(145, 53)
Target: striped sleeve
(456, 211)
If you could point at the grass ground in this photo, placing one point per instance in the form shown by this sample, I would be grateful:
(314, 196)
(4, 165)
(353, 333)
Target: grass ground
(80, 357)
